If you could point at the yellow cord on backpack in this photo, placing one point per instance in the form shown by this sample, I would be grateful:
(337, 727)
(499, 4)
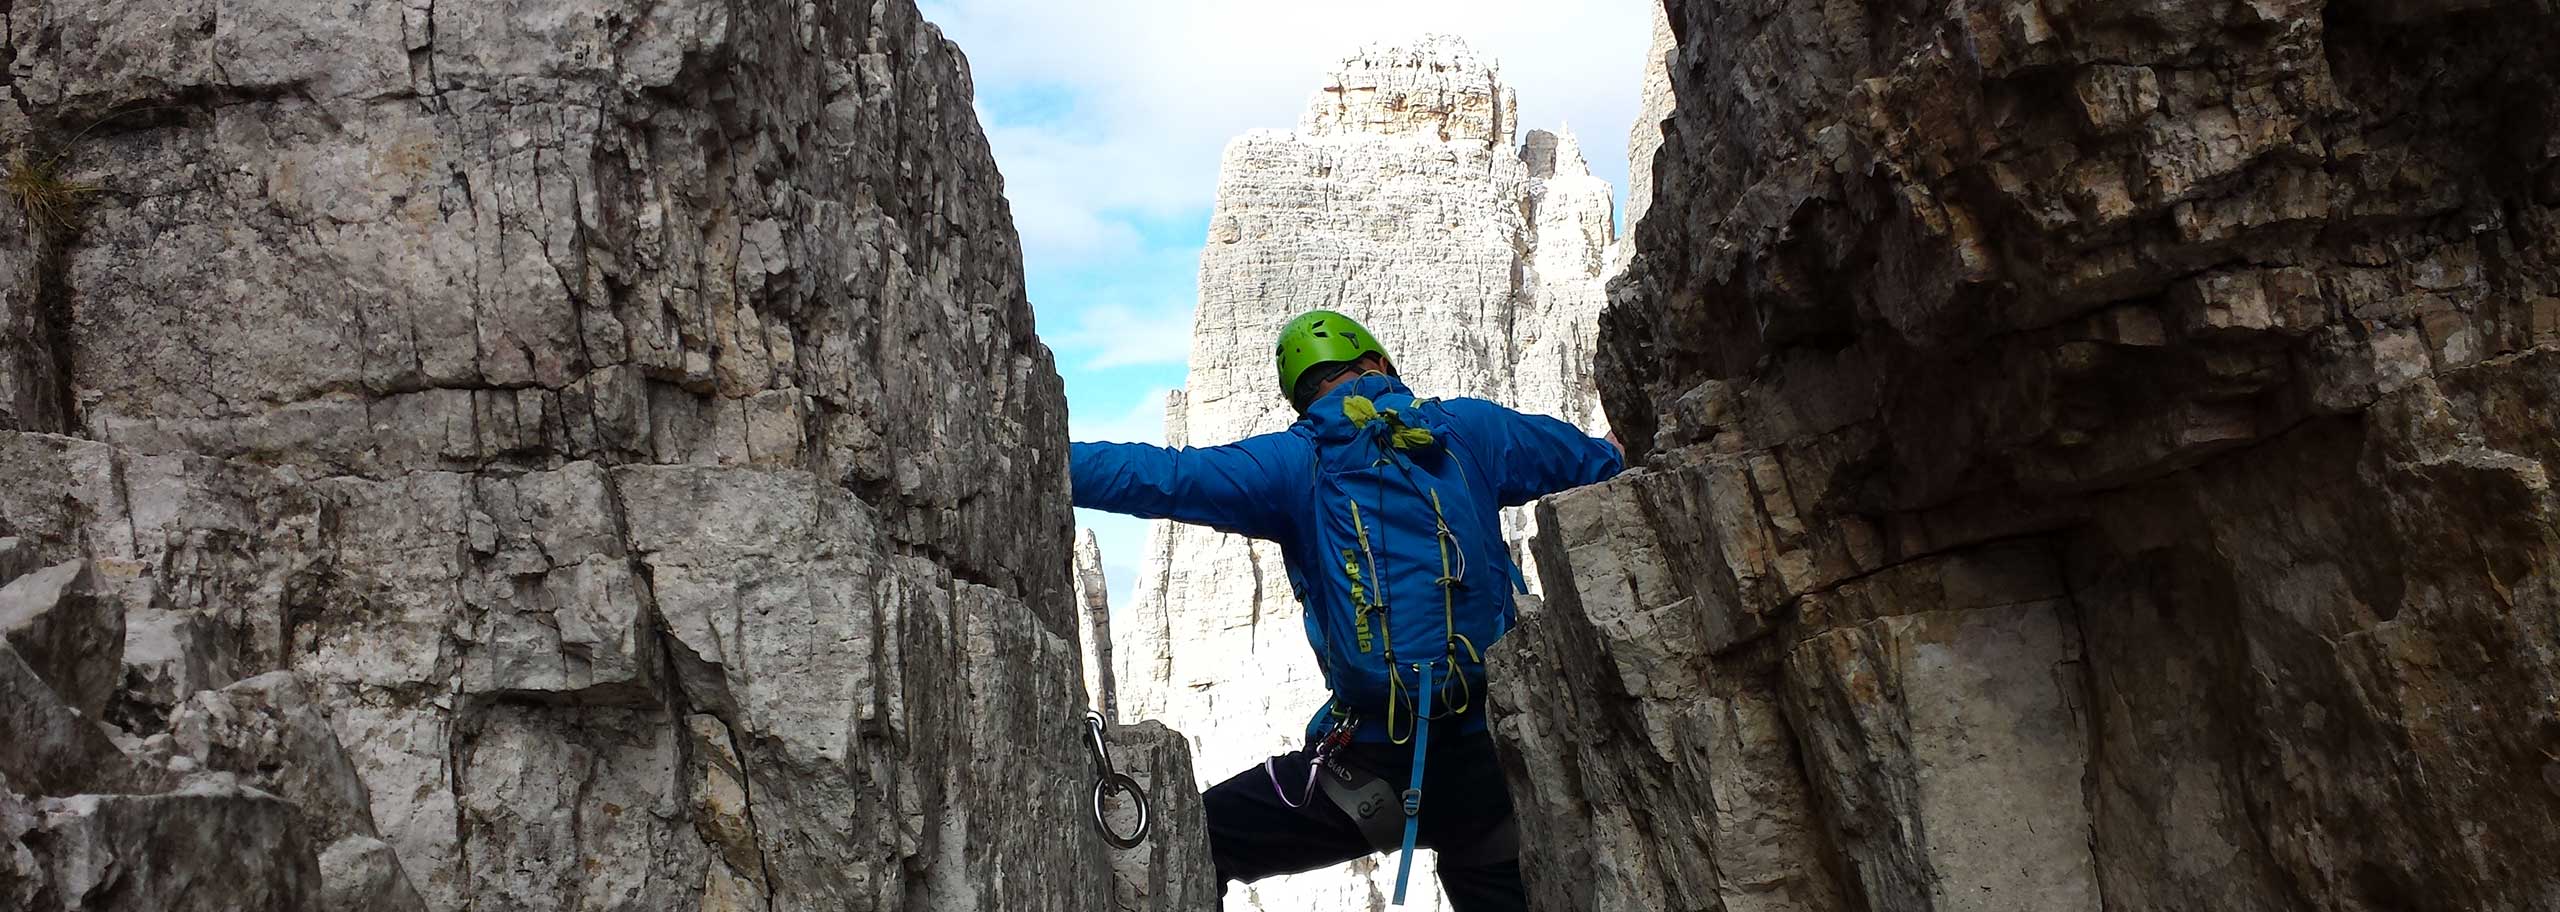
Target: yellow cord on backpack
(1361, 411)
(1359, 602)
(1448, 581)
(1395, 686)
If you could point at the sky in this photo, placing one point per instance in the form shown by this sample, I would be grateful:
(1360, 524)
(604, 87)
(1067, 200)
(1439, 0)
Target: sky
(1108, 118)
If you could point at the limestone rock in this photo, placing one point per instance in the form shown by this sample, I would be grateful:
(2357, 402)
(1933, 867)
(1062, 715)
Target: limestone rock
(1171, 870)
(623, 426)
(22, 879)
(266, 733)
(722, 814)
(1407, 198)
(1436, 89)
(1954, 718)
(2099, 457)
(362, 874)
(202, 850)
(1554, 332)
(169, 656)
(1661, 776)
(1644, 137)
(50, 748)
(17, 558)
(73, 639)
(1093, 627)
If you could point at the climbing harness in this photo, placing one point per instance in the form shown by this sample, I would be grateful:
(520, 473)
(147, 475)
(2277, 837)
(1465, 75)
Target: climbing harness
(1108, 780)
(1334, 739)
(1370, 801)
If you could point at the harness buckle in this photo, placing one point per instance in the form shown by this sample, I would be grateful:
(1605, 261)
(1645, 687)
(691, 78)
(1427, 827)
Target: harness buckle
(1413, 802)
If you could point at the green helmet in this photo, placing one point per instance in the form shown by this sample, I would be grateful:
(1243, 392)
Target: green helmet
(1319, 337)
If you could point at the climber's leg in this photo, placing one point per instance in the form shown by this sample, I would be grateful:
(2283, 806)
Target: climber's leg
(1488, 888)
(1253, 834)
(1467, 822)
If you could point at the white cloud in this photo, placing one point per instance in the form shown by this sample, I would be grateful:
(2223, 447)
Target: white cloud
(1141, 423)
(1155, 88)
(1113, 335)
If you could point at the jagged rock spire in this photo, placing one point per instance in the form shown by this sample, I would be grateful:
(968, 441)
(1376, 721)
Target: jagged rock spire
(1436, 88)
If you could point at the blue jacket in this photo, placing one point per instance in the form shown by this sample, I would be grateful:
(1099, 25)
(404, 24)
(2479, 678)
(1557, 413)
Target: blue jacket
(1387, 510)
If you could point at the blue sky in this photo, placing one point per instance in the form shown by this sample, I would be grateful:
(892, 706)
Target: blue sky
(1108, 118)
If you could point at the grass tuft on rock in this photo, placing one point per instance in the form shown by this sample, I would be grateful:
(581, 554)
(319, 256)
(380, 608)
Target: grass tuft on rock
(49, 197)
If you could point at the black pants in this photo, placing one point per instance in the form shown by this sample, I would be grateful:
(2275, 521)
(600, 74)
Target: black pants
(1253, 834)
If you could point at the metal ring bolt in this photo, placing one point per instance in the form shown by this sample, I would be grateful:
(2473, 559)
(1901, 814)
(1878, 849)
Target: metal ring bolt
(1108, 780)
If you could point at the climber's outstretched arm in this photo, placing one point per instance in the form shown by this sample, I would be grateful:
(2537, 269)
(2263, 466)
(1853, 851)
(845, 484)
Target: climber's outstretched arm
(1244, 487)
(1531, 456)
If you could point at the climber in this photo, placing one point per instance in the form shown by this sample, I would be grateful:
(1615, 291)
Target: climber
(1387, 510)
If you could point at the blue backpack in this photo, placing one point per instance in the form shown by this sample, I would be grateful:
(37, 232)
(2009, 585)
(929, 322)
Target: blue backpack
(1402, 522)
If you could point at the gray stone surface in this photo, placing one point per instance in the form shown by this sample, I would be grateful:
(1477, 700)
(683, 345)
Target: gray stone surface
(50, 748)
(168, 656)
(595, 456)
(1093, 627)
(1955, 719)
(17, 558)
(2100, 455)
(1644, 137)
(1648, 771)
(266, 733)
(363, 873)
(206, 849)
(72, 638)
(1171, 869)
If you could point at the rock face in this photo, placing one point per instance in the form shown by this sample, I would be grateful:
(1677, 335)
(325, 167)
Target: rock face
(1644, 137)
(597, 458)
(2101, 457)
(1401, 199)
(75, 640)
(1093, 627)
(1172, 870)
